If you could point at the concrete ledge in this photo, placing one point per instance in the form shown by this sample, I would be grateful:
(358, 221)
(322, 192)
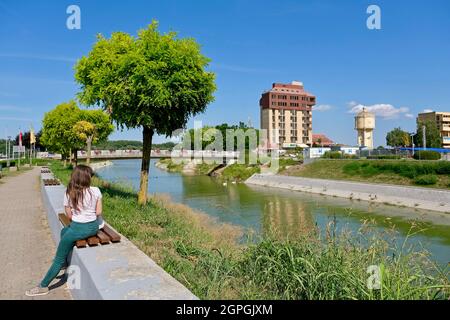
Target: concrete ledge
(114, 271)
(414, 197)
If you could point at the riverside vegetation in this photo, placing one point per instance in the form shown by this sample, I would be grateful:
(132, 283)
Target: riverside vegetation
(234, 172)
(215, 262)
(400, 172)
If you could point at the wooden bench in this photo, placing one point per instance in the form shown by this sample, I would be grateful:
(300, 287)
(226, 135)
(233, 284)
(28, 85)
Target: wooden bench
(104, 236)
(51, 182)
(45, 171)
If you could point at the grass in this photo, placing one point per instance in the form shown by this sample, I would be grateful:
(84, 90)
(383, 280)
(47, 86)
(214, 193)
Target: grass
(399, 172)
(239, 172)
(209, 260)
(204, 168)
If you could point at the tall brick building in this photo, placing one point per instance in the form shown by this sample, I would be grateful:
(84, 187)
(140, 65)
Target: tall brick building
(286, 114)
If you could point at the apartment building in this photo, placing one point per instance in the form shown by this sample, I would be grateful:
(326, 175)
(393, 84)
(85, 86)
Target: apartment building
(286, 114)
(442, 120)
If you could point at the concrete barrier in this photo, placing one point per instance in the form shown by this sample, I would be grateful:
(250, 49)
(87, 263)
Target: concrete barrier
(114, 271)
(414, 197)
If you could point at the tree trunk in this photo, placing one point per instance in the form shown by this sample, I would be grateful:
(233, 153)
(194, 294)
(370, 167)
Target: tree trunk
(88, 151)
(146, 154)
(75, 157)
(70, 156)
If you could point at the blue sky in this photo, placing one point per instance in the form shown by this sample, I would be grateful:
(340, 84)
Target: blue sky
(398, 71)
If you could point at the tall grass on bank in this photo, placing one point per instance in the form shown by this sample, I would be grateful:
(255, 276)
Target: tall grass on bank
(207, 258)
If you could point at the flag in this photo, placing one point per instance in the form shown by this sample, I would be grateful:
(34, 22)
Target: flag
(32, 137)
(20, 139)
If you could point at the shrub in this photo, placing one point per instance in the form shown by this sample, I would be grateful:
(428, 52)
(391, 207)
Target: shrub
(239, 172)
(11, 164)
(332, 155)
(426, 180)
(385, 157)
(427, 155)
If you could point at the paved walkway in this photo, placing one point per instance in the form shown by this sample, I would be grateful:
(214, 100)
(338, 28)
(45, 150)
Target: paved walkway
(27, 248)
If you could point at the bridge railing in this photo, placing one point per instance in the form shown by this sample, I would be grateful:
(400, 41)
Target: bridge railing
(107, 154)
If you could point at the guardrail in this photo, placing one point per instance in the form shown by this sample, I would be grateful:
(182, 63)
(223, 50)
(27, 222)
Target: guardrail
(133, 154)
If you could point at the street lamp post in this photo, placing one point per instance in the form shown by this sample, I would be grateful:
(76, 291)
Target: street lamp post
(8, 156)
(412, 142)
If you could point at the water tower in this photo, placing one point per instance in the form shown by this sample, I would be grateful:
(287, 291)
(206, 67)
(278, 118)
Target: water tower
(365, 124)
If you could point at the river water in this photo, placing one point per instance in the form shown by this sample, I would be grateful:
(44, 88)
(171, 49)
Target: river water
(260, 209)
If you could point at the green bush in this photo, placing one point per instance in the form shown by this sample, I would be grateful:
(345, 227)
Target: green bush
(239, 172)
(385, 157)
(332, 155)
(426, 180)
(11, 164)
(427, 155)
(407, 169)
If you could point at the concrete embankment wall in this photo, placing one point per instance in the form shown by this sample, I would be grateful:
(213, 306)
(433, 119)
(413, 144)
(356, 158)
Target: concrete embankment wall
(114, 271)
(421, 198)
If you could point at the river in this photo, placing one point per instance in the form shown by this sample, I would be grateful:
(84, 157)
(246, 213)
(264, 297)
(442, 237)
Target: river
(260, 208)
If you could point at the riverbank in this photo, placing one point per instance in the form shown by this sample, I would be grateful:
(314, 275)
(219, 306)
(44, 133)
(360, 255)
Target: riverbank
(214, 262)
(413, 197)
(231, 172)
(100, 164)
(430, 174)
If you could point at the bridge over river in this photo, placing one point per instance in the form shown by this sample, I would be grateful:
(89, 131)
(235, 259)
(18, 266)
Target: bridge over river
(137, 154)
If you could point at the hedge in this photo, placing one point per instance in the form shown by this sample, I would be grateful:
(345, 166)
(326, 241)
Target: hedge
(427, 155)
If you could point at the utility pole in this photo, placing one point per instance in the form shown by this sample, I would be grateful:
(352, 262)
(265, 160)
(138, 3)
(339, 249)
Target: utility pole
(9, 151)
(424, 129)
(412, 142)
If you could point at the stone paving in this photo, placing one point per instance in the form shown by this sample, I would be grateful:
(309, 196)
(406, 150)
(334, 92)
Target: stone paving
(27, 248)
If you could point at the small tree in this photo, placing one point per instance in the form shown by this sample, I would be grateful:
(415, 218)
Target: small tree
(96, 126)
(397, 138)
(64, 128)
(432, 134)
(153, 81)
(57, 133)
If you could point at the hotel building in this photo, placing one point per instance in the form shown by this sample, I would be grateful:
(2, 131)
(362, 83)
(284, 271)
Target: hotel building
(286, 114)
(442, 120)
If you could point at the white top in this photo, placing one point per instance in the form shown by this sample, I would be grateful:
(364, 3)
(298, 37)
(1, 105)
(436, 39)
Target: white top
(87, 212)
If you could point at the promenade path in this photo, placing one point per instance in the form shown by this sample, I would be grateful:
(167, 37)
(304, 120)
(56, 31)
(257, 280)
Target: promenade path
(27, 248)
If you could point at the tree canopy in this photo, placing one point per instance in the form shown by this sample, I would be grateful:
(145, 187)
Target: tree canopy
(153, 81)
(398, 138)
(62, 127)
(432, 134)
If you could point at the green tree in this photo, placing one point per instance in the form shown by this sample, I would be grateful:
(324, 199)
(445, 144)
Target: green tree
(153, 81)
(95, 126)
(26, 140)
(432, 134)
(398, 138)
(62, 129)
(57, 132)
